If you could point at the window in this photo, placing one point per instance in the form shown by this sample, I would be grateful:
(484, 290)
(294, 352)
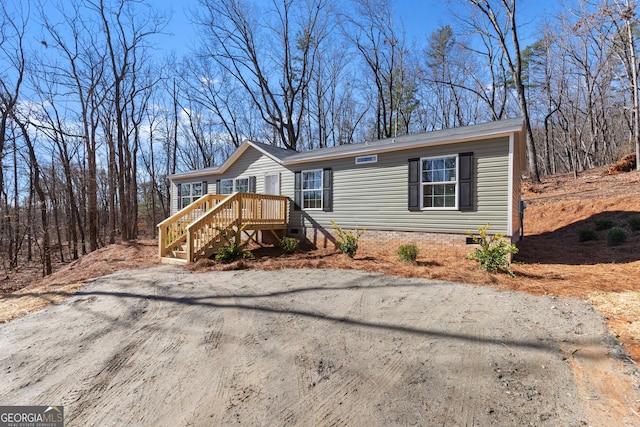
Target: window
(445, 182)
(190, 192)
(439, 182)
(242, 185)
(238, 185)
(366, 159)
(312, 189)
(226, 186)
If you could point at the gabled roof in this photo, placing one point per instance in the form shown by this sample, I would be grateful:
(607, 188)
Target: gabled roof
(440, 137)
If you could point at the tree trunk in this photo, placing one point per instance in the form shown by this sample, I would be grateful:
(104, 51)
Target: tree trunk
(42, 199)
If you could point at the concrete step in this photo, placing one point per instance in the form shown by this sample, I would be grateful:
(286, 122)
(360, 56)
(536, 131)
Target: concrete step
(180, 254)
(171, 260)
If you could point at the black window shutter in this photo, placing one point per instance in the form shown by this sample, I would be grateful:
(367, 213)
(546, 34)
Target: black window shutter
(465, 169)
(205, 187)
(297, 190)
(179, 187)
(414, 185)
(218, 186)
(252, 184)
(327, 190)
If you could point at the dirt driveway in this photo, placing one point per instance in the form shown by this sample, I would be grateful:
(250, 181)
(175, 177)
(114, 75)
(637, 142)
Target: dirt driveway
(166, 347)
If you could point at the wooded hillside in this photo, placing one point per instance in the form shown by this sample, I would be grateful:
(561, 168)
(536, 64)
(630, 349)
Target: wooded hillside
(94, 118)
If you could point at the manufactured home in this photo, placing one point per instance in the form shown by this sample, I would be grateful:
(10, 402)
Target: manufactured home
(428, 189)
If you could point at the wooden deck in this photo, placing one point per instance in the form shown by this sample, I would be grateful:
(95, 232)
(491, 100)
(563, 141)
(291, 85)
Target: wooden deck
(200, 229)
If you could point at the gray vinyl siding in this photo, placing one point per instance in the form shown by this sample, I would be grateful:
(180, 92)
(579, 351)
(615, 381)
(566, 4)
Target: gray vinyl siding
(518, 166)
(254, 163)
(174, 197)
(250, 163)
(174, 188)
(375, 195)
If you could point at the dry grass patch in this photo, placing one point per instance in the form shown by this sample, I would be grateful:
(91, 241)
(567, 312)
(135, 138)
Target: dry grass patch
(26, 301)
(37, 294)
(622, 310)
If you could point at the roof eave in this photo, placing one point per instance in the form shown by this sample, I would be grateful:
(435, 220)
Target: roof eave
(444, 140)
(516, 125)
(223, 167)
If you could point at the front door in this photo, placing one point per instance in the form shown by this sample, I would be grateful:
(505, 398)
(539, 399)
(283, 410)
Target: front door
(272, 184)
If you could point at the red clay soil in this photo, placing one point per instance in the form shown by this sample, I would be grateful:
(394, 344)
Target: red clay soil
(626, 164)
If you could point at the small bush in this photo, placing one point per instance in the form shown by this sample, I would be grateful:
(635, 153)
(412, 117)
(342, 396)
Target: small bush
(348, 239)
(604, 224)
(289, 245)
(634, 222)
(493, 251)
(408, 253)
(587, 235)
(232, 252)
(616, 236)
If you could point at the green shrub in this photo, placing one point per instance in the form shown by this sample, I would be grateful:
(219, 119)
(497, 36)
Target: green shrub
(408, 253)
(586, 235)
(232, 252)
(616, 236)
(634, 222)
(289, 244)
(604, 224)
(348, 239)
(493, 253)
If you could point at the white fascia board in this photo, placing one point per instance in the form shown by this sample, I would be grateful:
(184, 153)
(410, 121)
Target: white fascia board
(415, 142)
(223, 167)
(369, 149)
(510, 186)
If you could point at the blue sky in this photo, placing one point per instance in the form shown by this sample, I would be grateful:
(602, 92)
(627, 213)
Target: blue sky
(420, 18)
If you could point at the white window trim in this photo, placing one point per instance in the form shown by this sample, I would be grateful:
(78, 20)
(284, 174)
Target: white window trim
(191, 197)
(321, 189)
(363, 160)
(232, 185)
(422, 184)
(235, 183)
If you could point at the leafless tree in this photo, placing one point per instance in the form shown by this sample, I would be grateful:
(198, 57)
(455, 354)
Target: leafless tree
(370, 28)
(502, 18)
(270, 53)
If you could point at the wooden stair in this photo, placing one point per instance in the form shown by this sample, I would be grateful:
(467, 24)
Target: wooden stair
(202, 228)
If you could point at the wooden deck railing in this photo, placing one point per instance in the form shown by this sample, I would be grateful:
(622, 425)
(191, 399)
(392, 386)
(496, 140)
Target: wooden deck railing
(230, 216)
(173, 231)
(201, 224)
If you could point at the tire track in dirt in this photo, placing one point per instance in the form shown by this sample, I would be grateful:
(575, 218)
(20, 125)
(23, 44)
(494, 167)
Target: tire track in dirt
(94, 388)
(280, 348)
(321, 384)
(236, 343)
(313, 370)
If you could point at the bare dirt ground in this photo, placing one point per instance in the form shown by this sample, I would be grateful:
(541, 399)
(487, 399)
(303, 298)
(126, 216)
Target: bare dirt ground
(323, 346)
(164, 346)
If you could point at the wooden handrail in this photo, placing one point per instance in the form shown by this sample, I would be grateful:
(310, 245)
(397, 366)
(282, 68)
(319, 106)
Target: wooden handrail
(172, 231)
(231, 214)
